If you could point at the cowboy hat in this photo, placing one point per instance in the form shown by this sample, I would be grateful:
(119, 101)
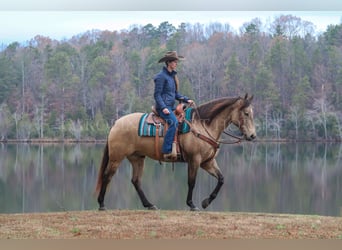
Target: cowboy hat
(171, 56)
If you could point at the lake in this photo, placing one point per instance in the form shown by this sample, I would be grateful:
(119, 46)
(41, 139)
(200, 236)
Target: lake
(295, 178)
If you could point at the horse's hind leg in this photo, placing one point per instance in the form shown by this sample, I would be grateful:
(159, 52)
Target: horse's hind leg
(137, 162)
(106, 178)
(213, 169)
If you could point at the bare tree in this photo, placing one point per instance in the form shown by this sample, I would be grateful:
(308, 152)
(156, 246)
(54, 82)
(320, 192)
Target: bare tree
(294, 116)
(290, 26)
(75, 128)
(321, 112)
(275, 123)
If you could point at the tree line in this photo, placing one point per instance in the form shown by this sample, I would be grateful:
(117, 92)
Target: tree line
(77, 87)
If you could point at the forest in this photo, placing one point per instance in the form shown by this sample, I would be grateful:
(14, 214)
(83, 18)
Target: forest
(76, 88)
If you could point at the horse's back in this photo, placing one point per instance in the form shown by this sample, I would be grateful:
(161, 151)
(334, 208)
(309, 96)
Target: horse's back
(126, 124)
(123, 138)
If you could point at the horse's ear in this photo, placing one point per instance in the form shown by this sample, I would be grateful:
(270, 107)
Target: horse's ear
(251, 98)
(248, 99)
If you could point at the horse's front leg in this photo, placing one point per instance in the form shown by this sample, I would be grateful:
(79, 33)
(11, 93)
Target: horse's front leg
(212, 168)
(192, 173)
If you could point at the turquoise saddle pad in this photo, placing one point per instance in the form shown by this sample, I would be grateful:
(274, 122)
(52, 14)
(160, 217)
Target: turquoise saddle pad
(148, 129)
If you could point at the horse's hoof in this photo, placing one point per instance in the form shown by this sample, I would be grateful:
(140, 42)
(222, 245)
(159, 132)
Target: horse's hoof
(102, 209)
(205, 203)
(153, 207)
(194, 209)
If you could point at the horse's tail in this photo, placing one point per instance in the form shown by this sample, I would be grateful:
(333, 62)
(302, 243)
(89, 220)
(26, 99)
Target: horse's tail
(104, 163)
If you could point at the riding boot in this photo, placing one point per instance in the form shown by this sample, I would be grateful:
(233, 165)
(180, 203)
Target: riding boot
(173, 155)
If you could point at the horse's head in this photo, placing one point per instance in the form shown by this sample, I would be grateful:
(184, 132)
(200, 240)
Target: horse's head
(244, 119)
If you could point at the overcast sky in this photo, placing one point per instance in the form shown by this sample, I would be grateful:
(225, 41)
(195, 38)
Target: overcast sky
(22, 20)
(22, 26)
(194, 5)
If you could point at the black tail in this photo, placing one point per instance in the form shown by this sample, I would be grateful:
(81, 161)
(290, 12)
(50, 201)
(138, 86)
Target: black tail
(102, 169)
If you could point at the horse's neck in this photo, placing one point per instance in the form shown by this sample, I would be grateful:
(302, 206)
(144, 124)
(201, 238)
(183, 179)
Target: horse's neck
(220, 122)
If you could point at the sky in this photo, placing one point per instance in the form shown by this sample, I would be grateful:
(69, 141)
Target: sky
(22, 20)
(22, 26)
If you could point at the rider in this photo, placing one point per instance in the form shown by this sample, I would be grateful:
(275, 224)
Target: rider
(165, 95)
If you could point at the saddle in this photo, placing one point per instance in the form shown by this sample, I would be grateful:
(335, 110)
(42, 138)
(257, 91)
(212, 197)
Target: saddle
(155, 119)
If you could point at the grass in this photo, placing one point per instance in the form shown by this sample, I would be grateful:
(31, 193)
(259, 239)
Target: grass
(141, 224)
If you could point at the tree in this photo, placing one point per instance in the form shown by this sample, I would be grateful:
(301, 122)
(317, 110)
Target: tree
(285, 67)
(232, 76)
(333, 35)
(177, 41)
(252, 28)
(295, 118)
(290, 26)
(5, 121)
(59, 72)
(265, 88)
(300, 100)
(24, 127)
(302, 94)
(145, 37)
(9, 77)
(278, 62)
(101, 126)
(321, 112)
(75, 128)
(99, 70)
(275, 123)
(165, 30)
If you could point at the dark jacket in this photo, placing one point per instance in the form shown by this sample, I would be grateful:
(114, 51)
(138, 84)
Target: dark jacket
(165, 93)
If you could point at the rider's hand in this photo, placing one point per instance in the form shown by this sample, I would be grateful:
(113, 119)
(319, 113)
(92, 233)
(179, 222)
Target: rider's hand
(190, 102)
(166, 111)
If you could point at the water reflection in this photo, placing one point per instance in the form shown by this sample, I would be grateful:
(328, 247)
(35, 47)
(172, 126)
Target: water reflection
(276, 178)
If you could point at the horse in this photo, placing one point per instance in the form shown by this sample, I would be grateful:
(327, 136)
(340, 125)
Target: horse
(199, 147)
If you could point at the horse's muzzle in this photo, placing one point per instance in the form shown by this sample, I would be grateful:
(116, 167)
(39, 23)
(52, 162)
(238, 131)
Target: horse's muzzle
(250, 138)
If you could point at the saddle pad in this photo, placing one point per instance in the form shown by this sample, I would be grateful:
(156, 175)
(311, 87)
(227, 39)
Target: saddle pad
(188, 115)
(147, 129)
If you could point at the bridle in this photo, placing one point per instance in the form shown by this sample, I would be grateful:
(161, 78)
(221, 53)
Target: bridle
(238, 139)
(215, 143)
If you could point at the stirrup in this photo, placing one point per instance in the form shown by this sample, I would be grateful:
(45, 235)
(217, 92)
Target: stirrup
(173, 155)
(169, 157)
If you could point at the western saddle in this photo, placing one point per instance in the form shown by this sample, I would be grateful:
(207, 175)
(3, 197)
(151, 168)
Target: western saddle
(154, 118)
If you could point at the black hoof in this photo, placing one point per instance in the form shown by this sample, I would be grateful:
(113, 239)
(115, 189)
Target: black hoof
(194, 209)
(205, 203)
(102, 209)
(153, 207)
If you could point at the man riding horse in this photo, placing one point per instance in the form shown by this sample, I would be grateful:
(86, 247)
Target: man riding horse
(199, 145)
(165, 94)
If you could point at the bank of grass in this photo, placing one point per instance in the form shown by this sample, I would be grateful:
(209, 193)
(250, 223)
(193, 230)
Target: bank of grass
(165, 224)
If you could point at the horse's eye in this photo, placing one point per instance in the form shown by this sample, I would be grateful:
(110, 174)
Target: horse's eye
(246, 114)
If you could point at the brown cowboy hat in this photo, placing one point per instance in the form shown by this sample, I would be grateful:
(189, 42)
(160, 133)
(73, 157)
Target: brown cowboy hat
(170, 56)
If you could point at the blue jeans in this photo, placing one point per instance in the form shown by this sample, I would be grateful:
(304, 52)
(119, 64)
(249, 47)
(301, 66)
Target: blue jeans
(171, 131)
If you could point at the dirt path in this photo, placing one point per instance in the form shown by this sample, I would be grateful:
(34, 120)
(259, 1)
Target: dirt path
(140, 224)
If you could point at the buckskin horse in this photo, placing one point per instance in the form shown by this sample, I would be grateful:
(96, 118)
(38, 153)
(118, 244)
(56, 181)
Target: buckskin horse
(199, 146)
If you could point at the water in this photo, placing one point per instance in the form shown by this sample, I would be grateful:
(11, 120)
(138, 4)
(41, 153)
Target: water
(301, 178)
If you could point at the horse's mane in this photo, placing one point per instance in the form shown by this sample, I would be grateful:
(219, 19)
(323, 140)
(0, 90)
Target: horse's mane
(209, 110)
